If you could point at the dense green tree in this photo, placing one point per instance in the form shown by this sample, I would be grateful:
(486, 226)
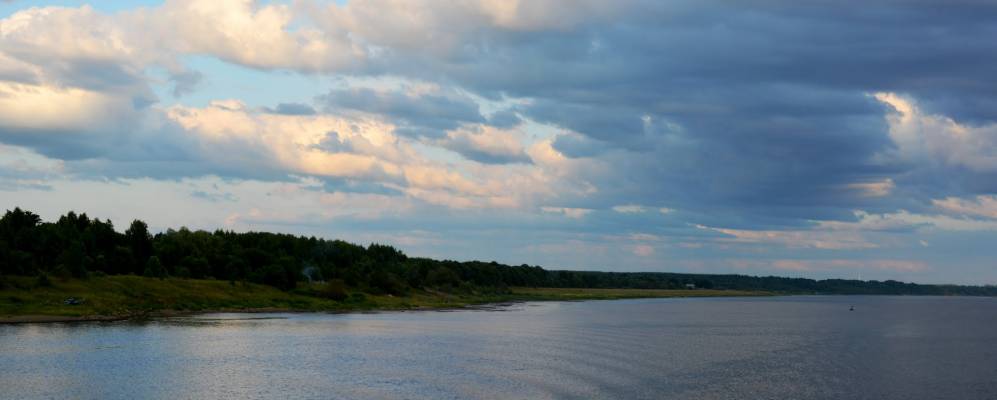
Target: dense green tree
(74, 260)
(139, 241)
(382, 281)
(195, 266)
(154, 268)
(5, 265)
(76, 244)
(121, 260)
(18, 228)
(275, 275)
(442, 277)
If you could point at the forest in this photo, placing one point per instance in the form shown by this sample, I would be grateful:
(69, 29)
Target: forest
(76, 246)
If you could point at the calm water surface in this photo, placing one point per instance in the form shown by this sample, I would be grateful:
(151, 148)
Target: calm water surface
(732, 348)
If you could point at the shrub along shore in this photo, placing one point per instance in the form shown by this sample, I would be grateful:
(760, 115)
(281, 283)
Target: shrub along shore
(105, 298)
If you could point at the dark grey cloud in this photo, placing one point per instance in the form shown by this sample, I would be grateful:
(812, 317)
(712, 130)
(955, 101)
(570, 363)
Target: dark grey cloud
(749, 114)
(504, 119)
(97, 75)
(346, 185)
(141, 144)
(465, 147)
(599, 121)
(185, 82)
(10, 185)
(575, 146)
(427, 115)
(334, 143)
(214, 196)
(757, 108)
(292, 109)
(67, 147)
(80, 71)
(16, 173)
(485, 157)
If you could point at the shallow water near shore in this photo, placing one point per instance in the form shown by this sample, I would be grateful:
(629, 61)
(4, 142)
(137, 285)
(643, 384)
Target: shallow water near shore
(804, 347)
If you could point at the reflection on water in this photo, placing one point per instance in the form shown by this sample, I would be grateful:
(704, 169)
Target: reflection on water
(789, 347)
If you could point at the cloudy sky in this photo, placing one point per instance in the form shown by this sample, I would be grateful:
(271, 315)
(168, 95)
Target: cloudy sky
(756, 137)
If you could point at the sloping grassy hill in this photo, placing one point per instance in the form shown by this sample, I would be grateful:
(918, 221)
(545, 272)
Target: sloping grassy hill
(132, 296)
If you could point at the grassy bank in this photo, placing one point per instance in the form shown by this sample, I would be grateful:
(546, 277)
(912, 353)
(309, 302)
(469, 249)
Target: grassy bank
(561, 294)
(23, 299)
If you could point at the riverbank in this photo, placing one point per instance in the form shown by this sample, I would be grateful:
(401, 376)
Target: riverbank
(109, 298)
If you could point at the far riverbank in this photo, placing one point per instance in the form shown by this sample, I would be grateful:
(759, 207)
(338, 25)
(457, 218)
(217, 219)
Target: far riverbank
(112, 298)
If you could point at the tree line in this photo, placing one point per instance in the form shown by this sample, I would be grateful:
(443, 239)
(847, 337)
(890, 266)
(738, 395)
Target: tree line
(78, 246)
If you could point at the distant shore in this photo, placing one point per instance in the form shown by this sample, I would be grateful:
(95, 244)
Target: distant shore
(116, 298)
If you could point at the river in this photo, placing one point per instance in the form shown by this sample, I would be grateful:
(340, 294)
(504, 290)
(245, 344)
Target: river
(799, 347)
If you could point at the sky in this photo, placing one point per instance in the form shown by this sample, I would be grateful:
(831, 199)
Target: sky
(760, 137)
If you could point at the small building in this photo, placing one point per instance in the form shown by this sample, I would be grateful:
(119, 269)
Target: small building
(690, 285)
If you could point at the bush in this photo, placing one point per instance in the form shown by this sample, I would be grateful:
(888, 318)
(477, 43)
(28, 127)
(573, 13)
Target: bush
(386, 282)
(276, 276)
(183, 272)
(60, 271)
(334, 289)
(357, 298)
(442, 277)
(43, 281)
(154, 268)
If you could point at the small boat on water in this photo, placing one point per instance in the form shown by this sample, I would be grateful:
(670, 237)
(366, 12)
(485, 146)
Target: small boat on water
(851, 308)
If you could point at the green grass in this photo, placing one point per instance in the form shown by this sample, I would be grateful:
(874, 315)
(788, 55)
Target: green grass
(616, 294)
(133, 295)
(21, 298)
